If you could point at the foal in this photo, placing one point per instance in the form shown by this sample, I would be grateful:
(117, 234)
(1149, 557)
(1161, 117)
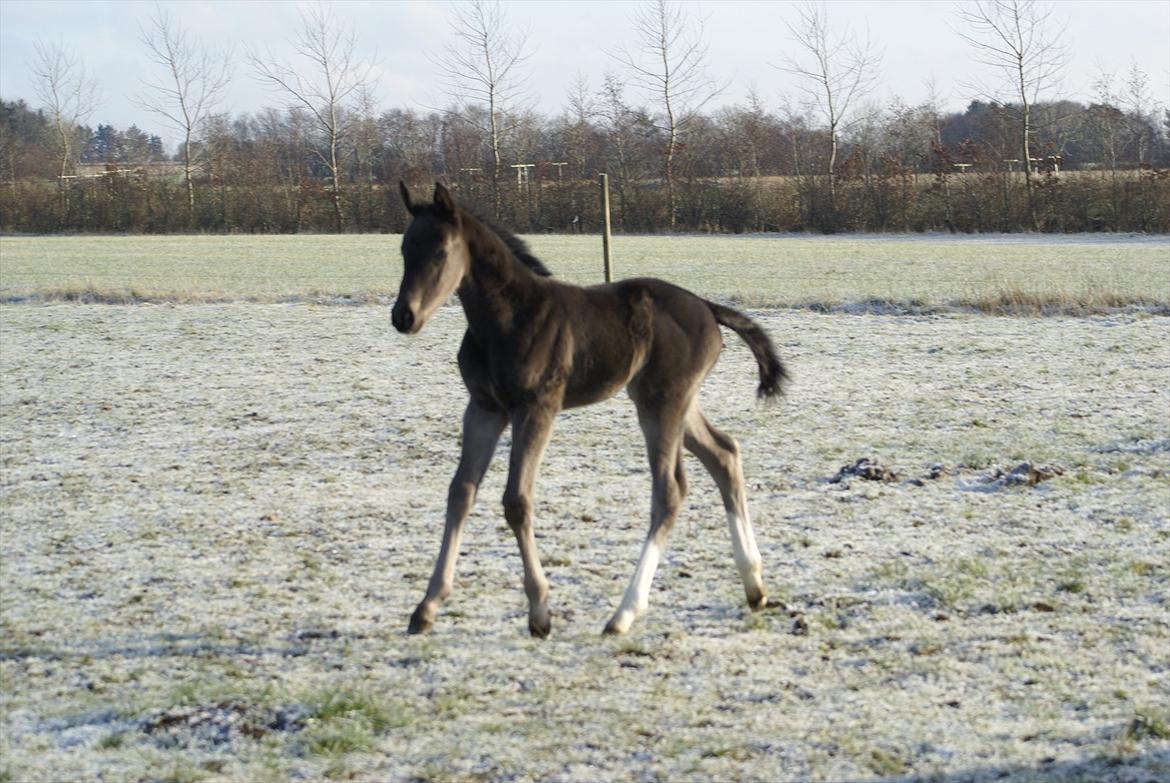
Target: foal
(534, 346)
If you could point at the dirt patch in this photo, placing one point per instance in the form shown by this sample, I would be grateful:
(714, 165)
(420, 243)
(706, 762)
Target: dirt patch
(219, 724)
(1025, 474)
(866, 470)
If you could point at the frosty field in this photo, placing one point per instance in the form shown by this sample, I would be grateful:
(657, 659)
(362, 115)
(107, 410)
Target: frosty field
(216, 518)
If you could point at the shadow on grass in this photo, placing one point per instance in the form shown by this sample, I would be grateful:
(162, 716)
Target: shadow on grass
(178, 645)
(1137, 767)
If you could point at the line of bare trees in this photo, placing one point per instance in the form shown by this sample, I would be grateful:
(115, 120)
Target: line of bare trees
(326, 158)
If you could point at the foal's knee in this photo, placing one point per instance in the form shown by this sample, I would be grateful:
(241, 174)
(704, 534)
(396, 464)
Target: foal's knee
(729, 455)
(517, 509)
(460, 496)
(724, 459)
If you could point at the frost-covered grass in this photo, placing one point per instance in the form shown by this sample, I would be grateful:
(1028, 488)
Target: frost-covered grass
(216, 520)
(999, 273)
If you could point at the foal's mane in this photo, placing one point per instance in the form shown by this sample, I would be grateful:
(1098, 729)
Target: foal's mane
(515, 244)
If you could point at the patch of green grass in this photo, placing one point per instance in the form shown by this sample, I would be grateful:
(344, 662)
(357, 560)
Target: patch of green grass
(977, 460)
(956, 584)
(733, 752)
(333, 706)
(340, 722)
(831, 620)
(1146, 568)
(890, 571)
(452, 702)
(756, 621)
(181, 771)
(1147, 723)
(438, 773)
(985, 584)
(187, 695)
(1014, 278)
(338, 737)
(886, 762)
(1086, 478)
(632, 647)
(112, 741)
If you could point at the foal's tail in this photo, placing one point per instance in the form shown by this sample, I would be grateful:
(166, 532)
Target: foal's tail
(772, 372)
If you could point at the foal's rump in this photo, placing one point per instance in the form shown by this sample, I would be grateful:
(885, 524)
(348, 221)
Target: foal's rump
(686, 325)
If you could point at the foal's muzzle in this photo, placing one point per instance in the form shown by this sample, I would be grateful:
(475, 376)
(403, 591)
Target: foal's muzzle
(402, 317)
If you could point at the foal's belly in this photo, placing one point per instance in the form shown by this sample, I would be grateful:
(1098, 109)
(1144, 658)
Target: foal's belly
(575, 398)
(595, 379)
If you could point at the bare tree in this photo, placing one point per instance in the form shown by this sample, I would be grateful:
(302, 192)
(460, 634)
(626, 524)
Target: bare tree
(941, 162)
(365, 148)
(1106, 123)
(332, 78)
(69, 96)
(670, 67)
(747, 125)
(578, 141)
(192, 84)
(1015, 40)
(580, 112)
(616, 121)
(1137, 100)
(834, 73)
(484, 70)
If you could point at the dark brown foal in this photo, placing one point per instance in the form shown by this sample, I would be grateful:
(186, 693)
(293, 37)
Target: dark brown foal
(535, 346)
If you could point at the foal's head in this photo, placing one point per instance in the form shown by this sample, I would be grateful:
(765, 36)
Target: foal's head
(434, 258)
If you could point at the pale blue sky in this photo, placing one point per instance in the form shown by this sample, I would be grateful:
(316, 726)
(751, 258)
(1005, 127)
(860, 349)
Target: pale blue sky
(747, 39)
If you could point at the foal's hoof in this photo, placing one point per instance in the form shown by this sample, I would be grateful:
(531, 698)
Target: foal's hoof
(539, 627)
(618, 624)
(419, 623)
(758, 603)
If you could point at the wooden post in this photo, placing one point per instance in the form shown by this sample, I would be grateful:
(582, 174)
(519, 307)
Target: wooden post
(605, 228)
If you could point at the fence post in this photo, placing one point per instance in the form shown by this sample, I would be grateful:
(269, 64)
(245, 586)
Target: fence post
(605, 228)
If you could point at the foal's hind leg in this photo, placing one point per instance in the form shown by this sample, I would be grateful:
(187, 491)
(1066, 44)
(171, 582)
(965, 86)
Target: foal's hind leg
(663, 432)
(719, 454)
(481, 432)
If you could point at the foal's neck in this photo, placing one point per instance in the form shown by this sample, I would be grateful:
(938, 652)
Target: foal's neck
(497, 284)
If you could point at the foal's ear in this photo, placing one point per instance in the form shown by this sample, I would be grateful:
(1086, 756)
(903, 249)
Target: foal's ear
(410, 207)
(443, 200)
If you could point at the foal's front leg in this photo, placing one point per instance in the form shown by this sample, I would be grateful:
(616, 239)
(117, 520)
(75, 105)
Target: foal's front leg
(531, 428)
(481, 432)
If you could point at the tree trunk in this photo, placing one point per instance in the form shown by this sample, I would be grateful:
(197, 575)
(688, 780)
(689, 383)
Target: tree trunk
(671, 137)
(188, 178)
(333, 170)
(670, 205)
(833, 165)
(62, 188)
(495, 144)
(1028, 187)
(1027, 145)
